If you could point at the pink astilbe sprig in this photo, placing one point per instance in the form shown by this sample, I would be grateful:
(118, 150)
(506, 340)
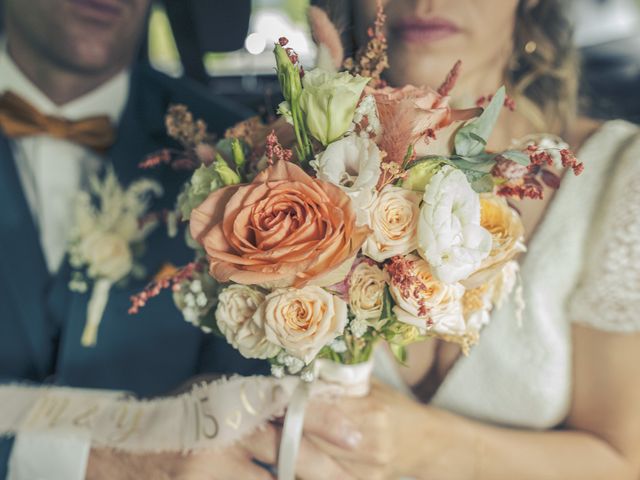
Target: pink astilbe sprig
(527, 181)
(275, 151)
(569, 160)
(401, 271)
(325, 33)
(169, 276)
(450, 82)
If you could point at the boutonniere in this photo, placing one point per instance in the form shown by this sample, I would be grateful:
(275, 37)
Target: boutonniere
(107, 240)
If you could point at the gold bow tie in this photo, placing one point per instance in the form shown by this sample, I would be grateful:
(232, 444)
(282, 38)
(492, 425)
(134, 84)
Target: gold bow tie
(18, 118)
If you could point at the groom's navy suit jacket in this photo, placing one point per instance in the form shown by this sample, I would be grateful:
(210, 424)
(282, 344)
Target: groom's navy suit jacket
(41, 320)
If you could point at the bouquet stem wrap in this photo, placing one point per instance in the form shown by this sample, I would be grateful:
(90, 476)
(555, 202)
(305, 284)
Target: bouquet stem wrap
(335, 379)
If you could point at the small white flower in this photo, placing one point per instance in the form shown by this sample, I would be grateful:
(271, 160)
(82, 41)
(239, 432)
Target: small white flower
(295, 365)
(338, 346)
(195, 286)
(450, 237)
(369, 110)
(277, 371)
(307, 376)
(359, 327)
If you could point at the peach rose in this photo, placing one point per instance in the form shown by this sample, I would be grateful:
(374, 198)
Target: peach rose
(302, 321)
(283, 229)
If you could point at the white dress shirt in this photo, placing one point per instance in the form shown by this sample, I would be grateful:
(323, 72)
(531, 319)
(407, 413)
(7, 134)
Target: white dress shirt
(52, 170)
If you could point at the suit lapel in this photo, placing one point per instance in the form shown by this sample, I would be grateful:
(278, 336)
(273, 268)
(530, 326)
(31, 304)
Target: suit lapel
(22, 262)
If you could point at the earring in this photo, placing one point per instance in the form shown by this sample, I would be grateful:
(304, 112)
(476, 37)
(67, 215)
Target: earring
(530, 47)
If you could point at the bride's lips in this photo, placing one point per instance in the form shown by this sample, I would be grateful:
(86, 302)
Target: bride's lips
(101, 11)
(423, 30)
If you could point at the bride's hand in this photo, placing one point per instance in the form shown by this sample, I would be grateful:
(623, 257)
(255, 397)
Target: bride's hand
(394, 433)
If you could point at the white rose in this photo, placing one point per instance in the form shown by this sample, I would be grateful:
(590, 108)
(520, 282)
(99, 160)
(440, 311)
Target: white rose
(450, 237)
(394, 220)
(108, 256)
(234, 317)
(353, 164)
(426, 303)
(366, 291)
(302, 321)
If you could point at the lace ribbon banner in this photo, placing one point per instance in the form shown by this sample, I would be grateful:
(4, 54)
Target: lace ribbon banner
(211, 415)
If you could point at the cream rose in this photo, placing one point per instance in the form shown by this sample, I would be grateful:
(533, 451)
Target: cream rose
(234, 316)
(394, 220)
(477, 305)
(450, 237)
(424, 302)
(366, 291)
(108, 256)
(352, 164)
(302, 321)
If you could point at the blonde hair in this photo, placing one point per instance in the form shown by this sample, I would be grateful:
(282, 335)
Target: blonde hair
(543, 73)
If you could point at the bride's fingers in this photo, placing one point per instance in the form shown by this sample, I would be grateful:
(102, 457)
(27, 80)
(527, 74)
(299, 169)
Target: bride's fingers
(313, 463)
(325, 420)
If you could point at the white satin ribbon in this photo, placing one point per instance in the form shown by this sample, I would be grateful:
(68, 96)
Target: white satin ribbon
(335, 379)
(95, 310)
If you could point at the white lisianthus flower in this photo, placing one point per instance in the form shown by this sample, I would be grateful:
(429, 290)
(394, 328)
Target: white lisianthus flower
(329, 102)
(236, 307)
(353, 164)
(108, 255)
(302, 321)
(450, 237)
(366, 291)
(394, 219)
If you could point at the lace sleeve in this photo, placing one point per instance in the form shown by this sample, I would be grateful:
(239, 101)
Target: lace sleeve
(608, 295)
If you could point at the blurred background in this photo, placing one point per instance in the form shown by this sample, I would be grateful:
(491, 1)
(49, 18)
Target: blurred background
(228, 49)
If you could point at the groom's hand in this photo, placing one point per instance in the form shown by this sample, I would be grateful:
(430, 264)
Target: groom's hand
(232, 463)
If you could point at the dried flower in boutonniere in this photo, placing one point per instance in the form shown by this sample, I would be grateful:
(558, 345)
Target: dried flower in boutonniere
(107, 240)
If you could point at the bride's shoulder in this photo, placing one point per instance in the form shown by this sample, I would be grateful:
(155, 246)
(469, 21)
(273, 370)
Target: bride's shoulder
(602, 135)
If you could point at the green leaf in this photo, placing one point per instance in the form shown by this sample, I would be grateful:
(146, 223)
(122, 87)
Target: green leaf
(482, 184)
(517, 156)
(470, 140)
(483, 164)
(399, 352)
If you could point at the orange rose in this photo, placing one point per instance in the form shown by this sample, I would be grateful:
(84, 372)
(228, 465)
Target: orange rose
(283, 229)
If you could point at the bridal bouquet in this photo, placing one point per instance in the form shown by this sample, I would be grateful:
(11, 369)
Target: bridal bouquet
(386, 220)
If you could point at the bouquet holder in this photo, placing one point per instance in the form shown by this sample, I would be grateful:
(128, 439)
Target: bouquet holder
(334, 379)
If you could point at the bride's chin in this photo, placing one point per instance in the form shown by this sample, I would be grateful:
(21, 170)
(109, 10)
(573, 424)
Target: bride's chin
(416, 70)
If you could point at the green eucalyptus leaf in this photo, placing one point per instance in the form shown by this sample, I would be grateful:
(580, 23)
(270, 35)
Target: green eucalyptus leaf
(483, 166)
(482, 184)
(517, 156)
(470, 141)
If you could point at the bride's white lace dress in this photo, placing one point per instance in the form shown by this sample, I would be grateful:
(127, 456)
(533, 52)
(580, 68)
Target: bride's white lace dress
(583, 265)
